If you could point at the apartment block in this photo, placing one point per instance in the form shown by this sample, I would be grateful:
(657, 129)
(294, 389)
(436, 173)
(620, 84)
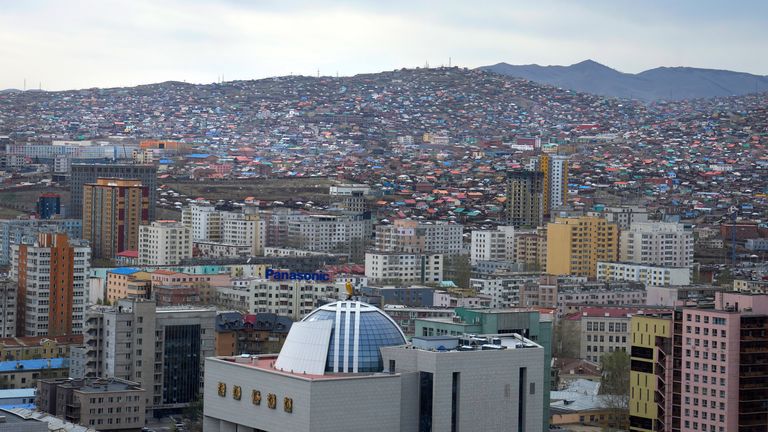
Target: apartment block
(555, 177)
(83, 174)
(396, 267)
(113, 210)
(493, 245)
(51, 274)
(160, 348)
(8, 299)
(504, 290)
(576, 244)
(649, 275)
(657, 243)
(411, 236)
(290, 298)
(164, 243)
(531, 248)
(13, 231)
(709, 374)
(525, 198)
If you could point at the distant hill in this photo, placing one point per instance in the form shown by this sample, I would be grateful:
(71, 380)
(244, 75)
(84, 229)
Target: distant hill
(663, 83)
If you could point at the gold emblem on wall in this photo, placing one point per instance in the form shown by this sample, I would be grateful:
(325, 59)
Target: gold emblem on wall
(222, 389)
(288, 405)
(236, 392)
(272, 401)
(256, 397)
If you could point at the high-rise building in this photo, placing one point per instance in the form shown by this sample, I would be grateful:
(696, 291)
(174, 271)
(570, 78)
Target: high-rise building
(243, 228)
(555, 176)
(83, 174)
(161, 349)
(525, 203)
(657, 243)
(576, 244)
(351, 354)
(203, 221)
(702, 369)
(8, 288)
(113, 210)
(51, 274)
(412, 236)
(48, 205)
(163, 243)
(13, 231)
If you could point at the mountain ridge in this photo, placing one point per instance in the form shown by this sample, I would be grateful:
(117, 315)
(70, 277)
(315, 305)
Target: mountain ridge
(660, 83)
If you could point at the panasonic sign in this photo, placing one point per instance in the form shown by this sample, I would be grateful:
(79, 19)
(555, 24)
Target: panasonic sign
(278, 275)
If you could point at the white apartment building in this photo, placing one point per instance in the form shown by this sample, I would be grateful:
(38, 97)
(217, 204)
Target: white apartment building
(558, 174)
(394, 267)
(406, 235)
(657, 243)
(504, 291)
(293, 298)
(349, 189)
(623, 216)
(164, 243)
(203, 220)
(334, 232)
(498, 245)
(647, 274)
(243, 229)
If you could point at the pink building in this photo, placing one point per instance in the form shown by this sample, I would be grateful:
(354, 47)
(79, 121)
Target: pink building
(723, 378)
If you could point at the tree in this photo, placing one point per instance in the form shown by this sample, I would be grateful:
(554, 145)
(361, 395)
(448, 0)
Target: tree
(615, 384)
(567, 339)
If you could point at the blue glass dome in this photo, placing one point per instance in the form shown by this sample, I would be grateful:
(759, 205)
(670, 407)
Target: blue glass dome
(358, 331)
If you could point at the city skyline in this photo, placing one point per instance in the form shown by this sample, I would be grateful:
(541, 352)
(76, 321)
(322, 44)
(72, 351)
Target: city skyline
(123, 44)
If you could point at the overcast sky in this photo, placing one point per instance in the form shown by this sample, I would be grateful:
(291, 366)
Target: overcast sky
(66, 44)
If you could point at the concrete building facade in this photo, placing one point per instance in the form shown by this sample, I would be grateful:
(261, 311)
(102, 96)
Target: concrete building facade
(83, 174)
(396, 267)
(576, 244)
(657, 243)
(113, 210)
(525, 199)
(164, 243)
(52, 274)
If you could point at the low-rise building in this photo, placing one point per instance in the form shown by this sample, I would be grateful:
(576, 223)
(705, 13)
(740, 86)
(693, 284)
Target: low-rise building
(238, 334)
(104, 404)
(650, 275)
(25, 373)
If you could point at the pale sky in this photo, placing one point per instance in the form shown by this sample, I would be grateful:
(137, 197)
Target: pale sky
(66, 44)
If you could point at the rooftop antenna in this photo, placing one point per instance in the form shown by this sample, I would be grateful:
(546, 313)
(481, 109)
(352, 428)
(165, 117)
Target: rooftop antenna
(449, 61)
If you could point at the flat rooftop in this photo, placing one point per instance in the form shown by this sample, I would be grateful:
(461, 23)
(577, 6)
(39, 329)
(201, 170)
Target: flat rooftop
(266, 363)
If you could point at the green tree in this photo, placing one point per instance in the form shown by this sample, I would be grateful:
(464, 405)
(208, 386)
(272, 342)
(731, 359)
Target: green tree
(615, 384)
(566, 340)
